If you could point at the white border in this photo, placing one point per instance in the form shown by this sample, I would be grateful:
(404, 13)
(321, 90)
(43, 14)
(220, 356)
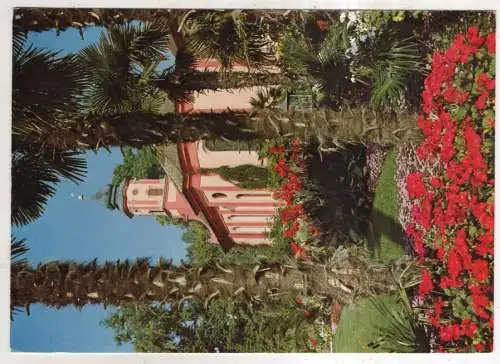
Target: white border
(5, 97)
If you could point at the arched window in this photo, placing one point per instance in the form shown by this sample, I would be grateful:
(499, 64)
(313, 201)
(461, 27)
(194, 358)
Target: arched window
(219, 195)
(155, 192)
(250, 195)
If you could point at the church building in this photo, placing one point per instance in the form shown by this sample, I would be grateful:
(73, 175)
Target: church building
(232, 214)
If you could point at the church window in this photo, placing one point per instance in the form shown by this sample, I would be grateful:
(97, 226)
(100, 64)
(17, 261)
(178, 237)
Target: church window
(219, 195)
(250, 195)
(155, 191)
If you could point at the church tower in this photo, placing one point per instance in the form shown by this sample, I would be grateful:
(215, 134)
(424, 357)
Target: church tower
(232, 214)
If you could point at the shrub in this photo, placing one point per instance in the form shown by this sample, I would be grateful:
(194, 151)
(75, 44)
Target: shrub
(453, 210)
(245, 176)
(292, 226)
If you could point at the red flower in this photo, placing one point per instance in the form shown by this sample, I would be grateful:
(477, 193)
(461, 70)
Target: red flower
(446, 333)
(415, 184)
(490, 43)
(298, 300)
(479, 347)
(322, 24)
(480, 102)
(436, 182)
(454, 264)
(480, 269)
(276, 149)
(473, 36)
(307, 313)
(452, 211)
(485, 245)
(484, 83)
(469, 328)
(426, 284)
(315, 231)
(479, 303)
(297, 250)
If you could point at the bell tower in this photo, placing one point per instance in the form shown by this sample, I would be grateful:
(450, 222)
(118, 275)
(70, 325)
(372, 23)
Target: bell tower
(145, 196)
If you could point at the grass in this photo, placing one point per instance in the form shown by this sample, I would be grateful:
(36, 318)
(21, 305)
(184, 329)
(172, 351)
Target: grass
(387, 236)
(358, 326)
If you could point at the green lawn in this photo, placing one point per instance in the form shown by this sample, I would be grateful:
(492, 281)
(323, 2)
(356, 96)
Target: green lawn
(358, 326)
(387, 236)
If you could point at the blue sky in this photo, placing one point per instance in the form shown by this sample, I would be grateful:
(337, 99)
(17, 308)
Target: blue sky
(83, 230)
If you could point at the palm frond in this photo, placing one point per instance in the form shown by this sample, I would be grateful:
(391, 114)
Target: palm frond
(18, 262)
(44, 84)
(19, 37)
(120, 66)
(266, 98)
(230, 37)
(395, 62)
(18, 250)
(35, 173)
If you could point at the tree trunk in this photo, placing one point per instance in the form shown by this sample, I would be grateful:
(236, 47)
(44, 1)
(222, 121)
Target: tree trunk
(58, 284)
(42, 19)
(328, 129)
(207, 80)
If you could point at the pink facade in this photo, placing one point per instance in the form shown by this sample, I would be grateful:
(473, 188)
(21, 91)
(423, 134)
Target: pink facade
(233, 215)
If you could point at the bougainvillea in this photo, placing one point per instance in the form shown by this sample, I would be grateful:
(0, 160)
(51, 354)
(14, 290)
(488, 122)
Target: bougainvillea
(287, 162)
(452, 212)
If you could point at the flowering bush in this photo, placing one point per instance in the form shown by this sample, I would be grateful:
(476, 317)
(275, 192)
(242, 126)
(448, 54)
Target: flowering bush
(287, 162)
(452, 229)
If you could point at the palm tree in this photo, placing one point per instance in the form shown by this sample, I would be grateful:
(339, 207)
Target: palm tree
(60, 19)
(43, 88)
(349, 273)
(328, 129)
(378, 72)
(119, 67)
(231, 37)
(18, 262)
(182, 78)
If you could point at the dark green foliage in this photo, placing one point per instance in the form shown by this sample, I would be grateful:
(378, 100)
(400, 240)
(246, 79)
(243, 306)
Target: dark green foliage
(359, 326)
(168, 220)
(229, 37)
(152, 328)
(386, 238)
(237, 326)
(228, 324)
(35, 175)
(336, 195)
(141, 163)
(245, 176)
(119, 68)
(399, 331)
(18, 251)
(201, 253)
(320, 58)
(44, 86)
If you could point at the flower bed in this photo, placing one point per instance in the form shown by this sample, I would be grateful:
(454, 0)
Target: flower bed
(452, 208)
(286, 161)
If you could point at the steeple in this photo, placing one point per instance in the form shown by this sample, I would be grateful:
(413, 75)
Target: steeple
(110, 196)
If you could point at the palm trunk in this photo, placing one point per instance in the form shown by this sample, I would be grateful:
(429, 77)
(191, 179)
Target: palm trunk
(42, 19)
(326, 128)
(58, 284)
(207, 80)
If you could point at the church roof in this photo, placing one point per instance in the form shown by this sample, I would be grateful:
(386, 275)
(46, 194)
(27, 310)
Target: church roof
(168, 156)
(110, 196)
(103, 196)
